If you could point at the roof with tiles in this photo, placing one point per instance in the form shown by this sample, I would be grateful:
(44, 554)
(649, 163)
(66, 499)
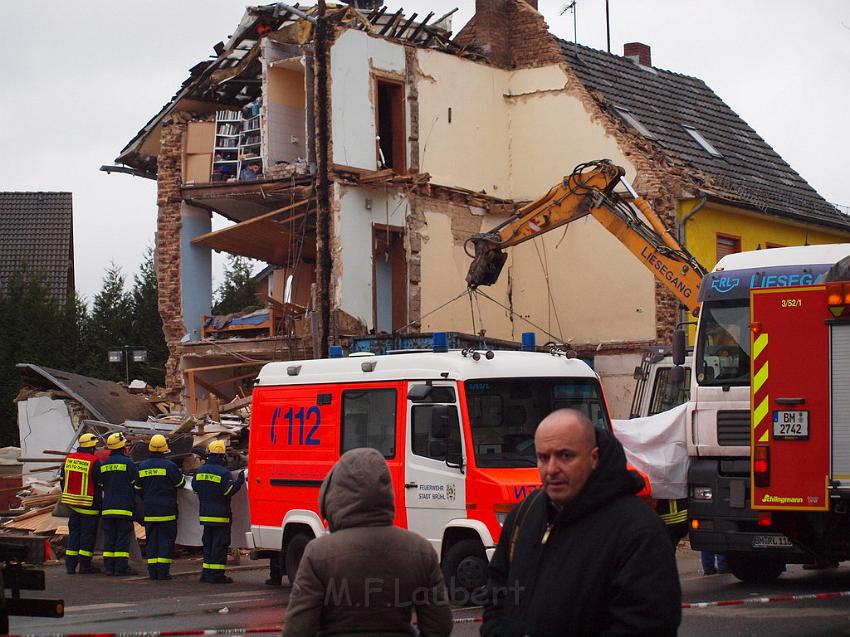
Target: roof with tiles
(36, 233)
(747, 170)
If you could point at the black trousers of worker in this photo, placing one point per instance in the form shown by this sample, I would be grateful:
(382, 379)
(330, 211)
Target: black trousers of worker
(216, 540)
(159, 543)
(116, 544)
(82, 532)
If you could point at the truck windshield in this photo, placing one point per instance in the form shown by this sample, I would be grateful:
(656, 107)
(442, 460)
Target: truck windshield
(723, 343)
(505, 412)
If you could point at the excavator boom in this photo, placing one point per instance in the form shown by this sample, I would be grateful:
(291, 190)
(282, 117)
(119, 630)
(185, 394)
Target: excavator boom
(589, 190)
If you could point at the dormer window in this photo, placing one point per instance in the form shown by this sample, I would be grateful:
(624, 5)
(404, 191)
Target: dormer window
(634, 122)
(702, 141)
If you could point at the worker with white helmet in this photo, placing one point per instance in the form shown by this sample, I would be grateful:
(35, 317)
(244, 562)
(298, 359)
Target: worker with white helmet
(118, 476)
(81, 493)
(158, 482)
(215, 486)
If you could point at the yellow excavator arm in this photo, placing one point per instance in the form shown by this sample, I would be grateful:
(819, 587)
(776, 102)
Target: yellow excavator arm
(589, 190)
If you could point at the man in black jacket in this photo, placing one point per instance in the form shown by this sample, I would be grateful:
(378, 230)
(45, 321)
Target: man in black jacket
(583, 555)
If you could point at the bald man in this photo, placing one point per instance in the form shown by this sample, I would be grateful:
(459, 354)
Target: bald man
(582, 555)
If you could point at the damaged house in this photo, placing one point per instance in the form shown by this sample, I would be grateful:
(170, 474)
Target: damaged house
(355, 151)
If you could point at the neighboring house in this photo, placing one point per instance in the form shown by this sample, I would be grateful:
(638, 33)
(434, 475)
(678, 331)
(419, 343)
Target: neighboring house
(37, 236)
(429, 139)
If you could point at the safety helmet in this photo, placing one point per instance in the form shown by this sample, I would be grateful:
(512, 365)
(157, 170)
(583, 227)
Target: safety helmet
(88, 440)
(158, 443)
(217, 446)
(116, 440)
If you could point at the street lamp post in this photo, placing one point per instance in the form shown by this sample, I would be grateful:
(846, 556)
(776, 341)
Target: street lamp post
(125, 352)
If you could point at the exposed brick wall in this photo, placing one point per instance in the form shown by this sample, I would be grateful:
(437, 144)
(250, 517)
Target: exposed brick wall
(511, 34)
(168, 226)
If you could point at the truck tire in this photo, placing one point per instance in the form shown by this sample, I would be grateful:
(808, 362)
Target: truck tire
(465, 570)
(294, 552)
(754, 569)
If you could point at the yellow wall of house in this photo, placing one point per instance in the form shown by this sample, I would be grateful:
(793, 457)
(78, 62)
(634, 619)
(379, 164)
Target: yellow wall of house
(755, 231)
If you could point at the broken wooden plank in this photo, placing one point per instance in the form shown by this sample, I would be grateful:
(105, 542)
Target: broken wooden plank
(235, 405)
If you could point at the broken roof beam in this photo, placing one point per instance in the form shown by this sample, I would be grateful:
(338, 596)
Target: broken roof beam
(420, 26)
(399, 33)
(390, 23)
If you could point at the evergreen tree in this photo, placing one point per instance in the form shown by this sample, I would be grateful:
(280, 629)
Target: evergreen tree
(111, 324)
(238, 291)
(147, 323)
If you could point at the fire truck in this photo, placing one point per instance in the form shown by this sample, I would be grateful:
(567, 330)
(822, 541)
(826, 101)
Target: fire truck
(455, 426)
(800, 366)
(722, 519)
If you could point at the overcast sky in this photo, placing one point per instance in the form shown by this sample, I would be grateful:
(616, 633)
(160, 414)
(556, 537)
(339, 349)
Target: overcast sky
(83, 76)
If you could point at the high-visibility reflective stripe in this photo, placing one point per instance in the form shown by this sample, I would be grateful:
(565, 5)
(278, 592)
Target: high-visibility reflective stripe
(228, 490)
(181, 483)
(86, 553)
(85, 511)
(760, 377)
(165, 560)
(215, 567)
(153, 560)
(675, 518)
(117, 466)
(137, 487)
(761, 411)
(210, 477)
(156, 560)
(71, 552)
(145, 473)
(118, 512)
(206, 518)
(759, 344)
(160, 518)
(120, 554)
(108, 554)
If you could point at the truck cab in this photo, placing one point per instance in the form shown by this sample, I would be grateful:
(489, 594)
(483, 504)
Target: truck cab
(456, 428)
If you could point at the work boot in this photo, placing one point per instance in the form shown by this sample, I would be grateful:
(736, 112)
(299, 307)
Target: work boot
(127, 571)
(88, 569)
(224, 579)
(274, 581)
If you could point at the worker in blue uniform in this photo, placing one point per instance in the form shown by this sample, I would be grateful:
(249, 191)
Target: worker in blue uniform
(78, 478)
(118, 476)
(215, 486)
(158, 482)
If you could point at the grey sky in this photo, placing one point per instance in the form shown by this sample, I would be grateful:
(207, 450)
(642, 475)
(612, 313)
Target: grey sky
(83, 76)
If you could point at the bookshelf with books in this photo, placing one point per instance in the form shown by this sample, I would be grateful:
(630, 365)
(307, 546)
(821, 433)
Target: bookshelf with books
(228, 128)
(250, 144)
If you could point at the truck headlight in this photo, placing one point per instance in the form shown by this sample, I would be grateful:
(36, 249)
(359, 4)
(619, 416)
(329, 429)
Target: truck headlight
(702, 493)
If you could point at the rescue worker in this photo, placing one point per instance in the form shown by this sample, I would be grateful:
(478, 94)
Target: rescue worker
(674, 514)
(158, 482)
(80, 491)
(215, 486)
(118, 476)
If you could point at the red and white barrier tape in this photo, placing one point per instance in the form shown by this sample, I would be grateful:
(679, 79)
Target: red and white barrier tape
(767, 600)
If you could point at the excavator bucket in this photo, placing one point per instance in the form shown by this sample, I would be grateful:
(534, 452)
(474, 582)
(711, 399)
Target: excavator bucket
(486, 265)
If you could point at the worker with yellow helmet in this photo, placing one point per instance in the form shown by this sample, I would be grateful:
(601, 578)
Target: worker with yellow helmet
(118, 476)
(158, 481)
(79, 477)
(215, 486)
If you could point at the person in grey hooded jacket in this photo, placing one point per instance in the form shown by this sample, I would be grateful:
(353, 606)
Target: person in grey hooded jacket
(366, 575)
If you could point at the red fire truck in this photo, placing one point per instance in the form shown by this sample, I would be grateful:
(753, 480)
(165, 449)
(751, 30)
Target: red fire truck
(456, 427)
(800, 368)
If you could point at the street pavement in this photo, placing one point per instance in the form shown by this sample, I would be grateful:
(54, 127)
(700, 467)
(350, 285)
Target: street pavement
(100, 604)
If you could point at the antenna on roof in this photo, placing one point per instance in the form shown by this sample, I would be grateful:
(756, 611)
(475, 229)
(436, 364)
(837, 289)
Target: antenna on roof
(607, 26)
(572, 7)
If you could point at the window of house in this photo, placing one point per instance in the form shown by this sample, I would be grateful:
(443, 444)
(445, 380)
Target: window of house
(389, 277)
(727, 244)
(390, 125)
(634, 122)
(369, 420)
(702, 141)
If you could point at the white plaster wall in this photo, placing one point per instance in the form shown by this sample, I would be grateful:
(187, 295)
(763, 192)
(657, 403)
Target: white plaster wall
(353, 256)
(353, 55)
(444, 267)
(616, 371)
(472, 150)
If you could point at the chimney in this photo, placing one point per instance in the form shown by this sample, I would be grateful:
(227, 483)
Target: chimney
(638, 52)
(533, 3)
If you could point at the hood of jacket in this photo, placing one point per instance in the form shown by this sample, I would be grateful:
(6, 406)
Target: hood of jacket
(358, 491)
(611, 479)
(216, 458)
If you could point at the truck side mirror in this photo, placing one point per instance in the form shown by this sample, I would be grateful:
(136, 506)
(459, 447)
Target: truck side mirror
(677, 375)
(454, 456)
(679, 347)
(440, 422)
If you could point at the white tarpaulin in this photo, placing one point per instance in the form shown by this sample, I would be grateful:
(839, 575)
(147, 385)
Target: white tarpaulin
(657, 446)
(43, 423)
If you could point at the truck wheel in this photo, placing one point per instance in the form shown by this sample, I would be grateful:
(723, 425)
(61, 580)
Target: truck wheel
(294, 552)
(754, 569)
(465, 570)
